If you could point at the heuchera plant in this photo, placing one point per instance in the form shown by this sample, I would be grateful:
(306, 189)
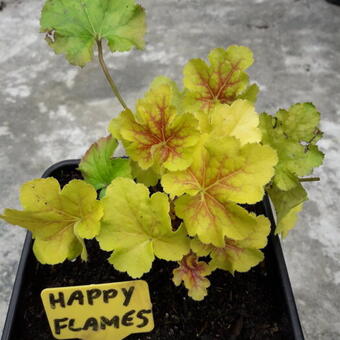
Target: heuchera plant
(202, 151)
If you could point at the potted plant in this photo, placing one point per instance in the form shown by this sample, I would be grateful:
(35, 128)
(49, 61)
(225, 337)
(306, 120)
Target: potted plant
(199, 162)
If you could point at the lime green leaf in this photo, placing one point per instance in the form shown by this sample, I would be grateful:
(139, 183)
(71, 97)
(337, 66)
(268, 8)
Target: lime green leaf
(99, 168)
(58, 219)
(193, 274)
(238, 120)
(305, 159)
(287, 204)
(73, 27)
(163, 80)
(149, 177)
(293, 135)
(56, 250)
(177, 94)
(288, 222)
(138, 227)
(237, 255)
(223, 81)
(251, 93)
(221, 175)
(300, 121)
(157, 135)
(102, 193)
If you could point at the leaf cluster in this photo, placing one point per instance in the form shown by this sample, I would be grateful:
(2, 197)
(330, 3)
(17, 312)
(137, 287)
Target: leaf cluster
(196, 155)
(293, 133)
(206, 159)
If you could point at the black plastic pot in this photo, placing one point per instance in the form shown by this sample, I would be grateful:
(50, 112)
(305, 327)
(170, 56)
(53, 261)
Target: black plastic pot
(273, 250)
(334, 2)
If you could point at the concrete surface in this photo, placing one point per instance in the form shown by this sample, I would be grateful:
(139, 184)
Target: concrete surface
(52, 111)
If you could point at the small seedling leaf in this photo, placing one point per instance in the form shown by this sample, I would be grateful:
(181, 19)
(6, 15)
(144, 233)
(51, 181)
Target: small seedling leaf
(192, 273)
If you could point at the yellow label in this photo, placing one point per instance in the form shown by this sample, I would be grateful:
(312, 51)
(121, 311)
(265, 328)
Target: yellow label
(109, 311)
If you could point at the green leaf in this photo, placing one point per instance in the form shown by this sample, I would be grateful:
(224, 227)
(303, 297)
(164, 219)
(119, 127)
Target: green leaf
(193, 274)
(293, 135)
(300, 121)
(138, 227)
(58, 219)
(75, 26)
(99, 168)
(287, 204)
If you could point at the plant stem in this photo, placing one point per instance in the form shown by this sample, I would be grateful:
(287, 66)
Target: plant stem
(309, 179)
(108, 76)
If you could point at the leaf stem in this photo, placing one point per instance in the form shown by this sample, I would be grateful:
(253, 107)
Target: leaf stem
(108, 76)
(309, 179)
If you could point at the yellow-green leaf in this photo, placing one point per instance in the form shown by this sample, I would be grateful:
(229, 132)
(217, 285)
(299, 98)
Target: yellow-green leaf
(222, 174)
(223, 81)
(251, 93)
(149, 177)
(157, 135)
(58, 219)
(287, 205)
(176, 93)
(193, 274)
(138, 227)
(74, 26)
(237, 255)
(238, 120)
(56, 250)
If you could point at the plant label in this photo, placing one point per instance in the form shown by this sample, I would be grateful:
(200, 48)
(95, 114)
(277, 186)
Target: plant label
(99, 312)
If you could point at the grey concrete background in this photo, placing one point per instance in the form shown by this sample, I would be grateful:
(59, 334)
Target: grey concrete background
(50, 111)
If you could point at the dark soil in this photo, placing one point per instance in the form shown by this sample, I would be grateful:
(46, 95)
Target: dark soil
(245, 307)
(2, 5)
